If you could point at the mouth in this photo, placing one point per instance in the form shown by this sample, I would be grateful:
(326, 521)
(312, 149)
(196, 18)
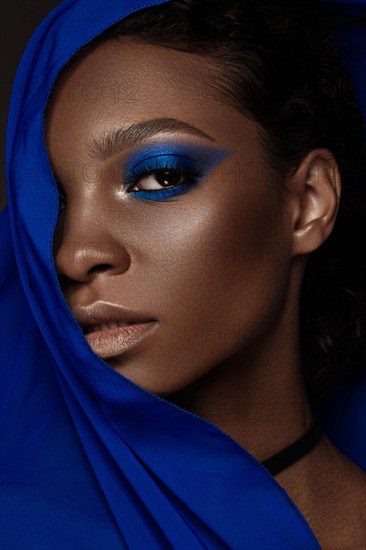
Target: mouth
(111, 339)
(107, 326)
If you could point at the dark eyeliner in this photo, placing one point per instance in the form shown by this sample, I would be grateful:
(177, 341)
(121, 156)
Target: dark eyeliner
(194, 161)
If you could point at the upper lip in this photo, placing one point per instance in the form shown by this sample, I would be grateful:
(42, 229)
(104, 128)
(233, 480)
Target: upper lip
(101, 312)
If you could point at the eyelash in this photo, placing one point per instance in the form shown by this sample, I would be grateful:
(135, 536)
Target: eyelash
(155, 165)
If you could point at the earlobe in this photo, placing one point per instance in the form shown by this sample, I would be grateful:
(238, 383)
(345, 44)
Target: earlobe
(315, 200)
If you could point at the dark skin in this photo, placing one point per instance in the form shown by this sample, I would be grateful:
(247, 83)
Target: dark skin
(247, 381)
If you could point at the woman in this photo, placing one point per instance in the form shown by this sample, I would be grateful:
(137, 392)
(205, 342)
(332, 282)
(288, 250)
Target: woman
(207, 157)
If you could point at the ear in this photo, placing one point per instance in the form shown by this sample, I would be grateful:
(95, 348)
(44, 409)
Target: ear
(315, 191)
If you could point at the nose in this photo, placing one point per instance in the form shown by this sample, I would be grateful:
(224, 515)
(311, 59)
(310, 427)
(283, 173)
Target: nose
(86, 245)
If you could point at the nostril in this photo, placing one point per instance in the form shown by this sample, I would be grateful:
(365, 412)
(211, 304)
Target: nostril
(100, 267)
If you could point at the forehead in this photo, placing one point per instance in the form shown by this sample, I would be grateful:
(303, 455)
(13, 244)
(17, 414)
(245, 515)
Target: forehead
(115, 84)
(130, 73)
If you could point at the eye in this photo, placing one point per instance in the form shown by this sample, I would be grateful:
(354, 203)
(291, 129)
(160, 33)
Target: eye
(163, 178)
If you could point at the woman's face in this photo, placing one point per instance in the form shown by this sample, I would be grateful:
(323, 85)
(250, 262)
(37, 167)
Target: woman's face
(209, 260)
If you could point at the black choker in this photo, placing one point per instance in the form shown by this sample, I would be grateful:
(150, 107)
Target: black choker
(296, 450)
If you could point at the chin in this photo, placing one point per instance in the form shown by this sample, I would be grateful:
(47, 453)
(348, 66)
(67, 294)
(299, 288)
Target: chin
(146, 378)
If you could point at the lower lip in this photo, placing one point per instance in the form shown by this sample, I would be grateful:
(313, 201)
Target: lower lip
(113, 341)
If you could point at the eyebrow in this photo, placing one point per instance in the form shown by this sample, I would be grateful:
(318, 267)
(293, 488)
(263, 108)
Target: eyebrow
(115, 141)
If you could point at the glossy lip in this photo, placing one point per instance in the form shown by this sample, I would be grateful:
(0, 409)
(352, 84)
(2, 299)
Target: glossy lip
(105, 312)
(111, 342)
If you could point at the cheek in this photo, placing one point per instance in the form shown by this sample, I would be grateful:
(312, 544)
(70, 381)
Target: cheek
(227, 271)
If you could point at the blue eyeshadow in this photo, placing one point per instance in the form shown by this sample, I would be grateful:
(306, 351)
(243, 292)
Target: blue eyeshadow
(196, 161)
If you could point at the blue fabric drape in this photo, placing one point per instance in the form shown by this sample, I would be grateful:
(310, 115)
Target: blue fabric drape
(90, 460)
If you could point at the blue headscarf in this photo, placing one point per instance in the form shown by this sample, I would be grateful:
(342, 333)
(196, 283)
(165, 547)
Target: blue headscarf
(89, 459)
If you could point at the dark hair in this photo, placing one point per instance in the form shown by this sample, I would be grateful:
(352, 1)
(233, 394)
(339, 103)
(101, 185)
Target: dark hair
(279, 64)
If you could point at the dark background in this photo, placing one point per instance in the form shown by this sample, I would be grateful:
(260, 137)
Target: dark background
(18, 21)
